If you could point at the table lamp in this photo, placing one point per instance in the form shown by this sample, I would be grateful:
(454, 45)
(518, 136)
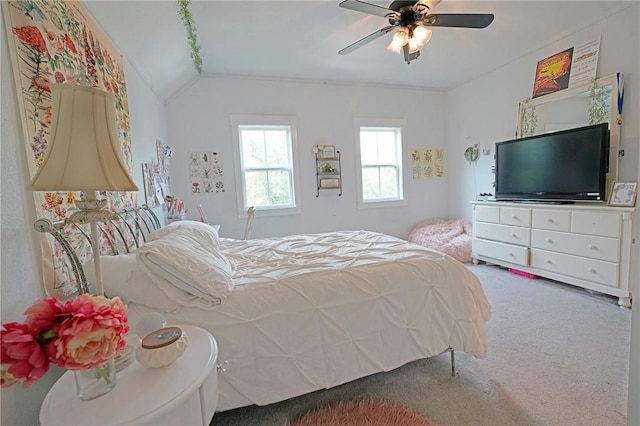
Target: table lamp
(84, 155)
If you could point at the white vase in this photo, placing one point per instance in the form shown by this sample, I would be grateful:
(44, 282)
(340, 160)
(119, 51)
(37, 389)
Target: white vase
(97, 381)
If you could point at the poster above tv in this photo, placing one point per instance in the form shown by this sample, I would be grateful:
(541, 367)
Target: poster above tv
(570, 68)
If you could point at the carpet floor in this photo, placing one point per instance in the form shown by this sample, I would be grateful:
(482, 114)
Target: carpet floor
(558, 355)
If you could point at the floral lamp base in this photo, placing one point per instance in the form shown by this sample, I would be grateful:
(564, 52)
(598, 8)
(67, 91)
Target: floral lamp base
(95, 382)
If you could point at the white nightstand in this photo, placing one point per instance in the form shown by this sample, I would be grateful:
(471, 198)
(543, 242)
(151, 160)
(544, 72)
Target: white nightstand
(183, 393)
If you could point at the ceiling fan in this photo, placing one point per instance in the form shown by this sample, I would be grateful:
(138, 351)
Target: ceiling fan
(410, 19)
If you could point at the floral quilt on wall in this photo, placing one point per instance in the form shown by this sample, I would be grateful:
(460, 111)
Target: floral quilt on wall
(58, 42)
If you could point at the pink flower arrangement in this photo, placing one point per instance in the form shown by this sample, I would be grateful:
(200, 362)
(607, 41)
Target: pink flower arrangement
(85, 332)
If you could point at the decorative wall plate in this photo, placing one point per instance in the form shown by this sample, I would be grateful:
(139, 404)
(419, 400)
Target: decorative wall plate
(471, 154)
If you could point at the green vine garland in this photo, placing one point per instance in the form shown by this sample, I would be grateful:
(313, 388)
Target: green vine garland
(187, 18)
(529, 119)
(598, 108)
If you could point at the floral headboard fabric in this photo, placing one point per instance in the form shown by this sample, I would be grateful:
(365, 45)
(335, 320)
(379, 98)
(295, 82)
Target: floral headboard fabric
(57, 41)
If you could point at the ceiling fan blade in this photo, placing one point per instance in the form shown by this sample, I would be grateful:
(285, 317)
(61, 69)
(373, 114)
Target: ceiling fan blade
(372, 9)
(430, 3)
(366, 40)
(459, 20)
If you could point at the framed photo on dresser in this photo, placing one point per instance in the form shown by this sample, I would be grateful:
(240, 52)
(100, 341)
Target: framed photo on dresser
(623, 194)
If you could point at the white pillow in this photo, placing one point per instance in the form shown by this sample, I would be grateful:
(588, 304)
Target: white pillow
(201, 231)
(183, 261)
(122, 277)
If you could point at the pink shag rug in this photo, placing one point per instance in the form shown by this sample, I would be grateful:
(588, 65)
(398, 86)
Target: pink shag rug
(452, 237)
(361, 413)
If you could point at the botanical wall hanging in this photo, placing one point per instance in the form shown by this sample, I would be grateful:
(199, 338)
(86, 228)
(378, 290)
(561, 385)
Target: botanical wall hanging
(427, 163)
(57, 41)
(206, 172)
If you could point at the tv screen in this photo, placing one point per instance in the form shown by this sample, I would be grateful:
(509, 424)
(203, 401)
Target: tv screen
(570, 165)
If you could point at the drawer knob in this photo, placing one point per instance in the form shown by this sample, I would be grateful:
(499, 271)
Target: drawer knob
(549, 261)
(514, 217)
(511, 254)
(549, 240)
(592, 271)
(550, 220)
(592, 247)
(514, 235)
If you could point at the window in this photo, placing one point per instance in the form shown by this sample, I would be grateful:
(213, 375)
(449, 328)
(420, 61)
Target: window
(380, 148)
(264, 151)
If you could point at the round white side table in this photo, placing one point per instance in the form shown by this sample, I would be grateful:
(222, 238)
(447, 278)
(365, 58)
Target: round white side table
(184, 393)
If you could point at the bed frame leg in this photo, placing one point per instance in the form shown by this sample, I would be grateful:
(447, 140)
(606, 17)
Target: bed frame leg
(454, 373)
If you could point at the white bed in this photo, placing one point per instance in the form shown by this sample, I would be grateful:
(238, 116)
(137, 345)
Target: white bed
(307, 312)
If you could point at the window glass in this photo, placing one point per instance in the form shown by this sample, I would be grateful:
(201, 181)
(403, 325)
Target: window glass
(266, 162)
(381, 163)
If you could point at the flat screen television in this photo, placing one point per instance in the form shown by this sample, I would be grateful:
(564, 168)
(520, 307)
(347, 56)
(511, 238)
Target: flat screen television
(562, 167)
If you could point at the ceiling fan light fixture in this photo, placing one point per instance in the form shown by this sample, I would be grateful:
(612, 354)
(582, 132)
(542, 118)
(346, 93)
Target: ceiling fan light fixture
(400, 38)
(421, 36)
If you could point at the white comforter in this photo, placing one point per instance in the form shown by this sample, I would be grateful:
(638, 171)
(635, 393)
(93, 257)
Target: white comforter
(309, 312)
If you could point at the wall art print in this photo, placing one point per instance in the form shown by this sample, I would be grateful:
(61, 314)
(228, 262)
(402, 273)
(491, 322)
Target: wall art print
(164, 153)
(57, 41)
(155, 188)
(552, 73)
(206, 173)
(427, 163)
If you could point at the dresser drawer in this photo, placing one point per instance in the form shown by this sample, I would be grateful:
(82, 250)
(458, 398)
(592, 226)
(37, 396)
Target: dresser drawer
(553, 220)
(601, 248)
(503, 233)
(515, 216)
(597, 271)
(488, 214)
(501, 251)
(605, 224)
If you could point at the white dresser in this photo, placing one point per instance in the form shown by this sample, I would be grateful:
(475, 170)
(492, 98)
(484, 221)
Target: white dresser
(590, 246)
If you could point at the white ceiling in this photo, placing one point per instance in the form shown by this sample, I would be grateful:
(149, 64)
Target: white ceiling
(301, 39)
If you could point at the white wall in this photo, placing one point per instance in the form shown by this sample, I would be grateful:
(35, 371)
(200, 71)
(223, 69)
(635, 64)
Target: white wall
(484, 111)
(20, 265)
(199, 121)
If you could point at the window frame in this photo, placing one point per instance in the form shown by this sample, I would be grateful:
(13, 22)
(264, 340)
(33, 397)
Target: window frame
(396, 123)
(238, 120)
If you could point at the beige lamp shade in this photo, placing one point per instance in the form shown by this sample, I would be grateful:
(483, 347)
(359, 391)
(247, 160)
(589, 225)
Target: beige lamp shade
(84, 149)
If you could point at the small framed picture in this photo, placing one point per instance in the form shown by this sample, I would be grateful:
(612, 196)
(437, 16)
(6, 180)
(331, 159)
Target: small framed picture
(329, 151)
(329, 183)
(623, 194)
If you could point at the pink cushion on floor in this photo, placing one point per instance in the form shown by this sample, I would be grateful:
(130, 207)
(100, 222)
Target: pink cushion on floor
(452, 237)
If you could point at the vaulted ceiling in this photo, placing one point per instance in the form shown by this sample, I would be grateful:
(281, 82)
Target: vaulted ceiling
(301, 39)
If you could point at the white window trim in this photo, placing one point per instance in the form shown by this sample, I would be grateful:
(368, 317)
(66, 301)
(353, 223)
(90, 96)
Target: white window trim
(265, 120)
(381, 122)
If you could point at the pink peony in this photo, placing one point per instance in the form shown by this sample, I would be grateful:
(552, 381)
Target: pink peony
(43, 314)
(21, 357)
(83, 333)
(92, 334)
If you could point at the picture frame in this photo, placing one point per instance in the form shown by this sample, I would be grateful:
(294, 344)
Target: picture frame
(329, 151)
(329, 183)
(151, 182)
(623, 194)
